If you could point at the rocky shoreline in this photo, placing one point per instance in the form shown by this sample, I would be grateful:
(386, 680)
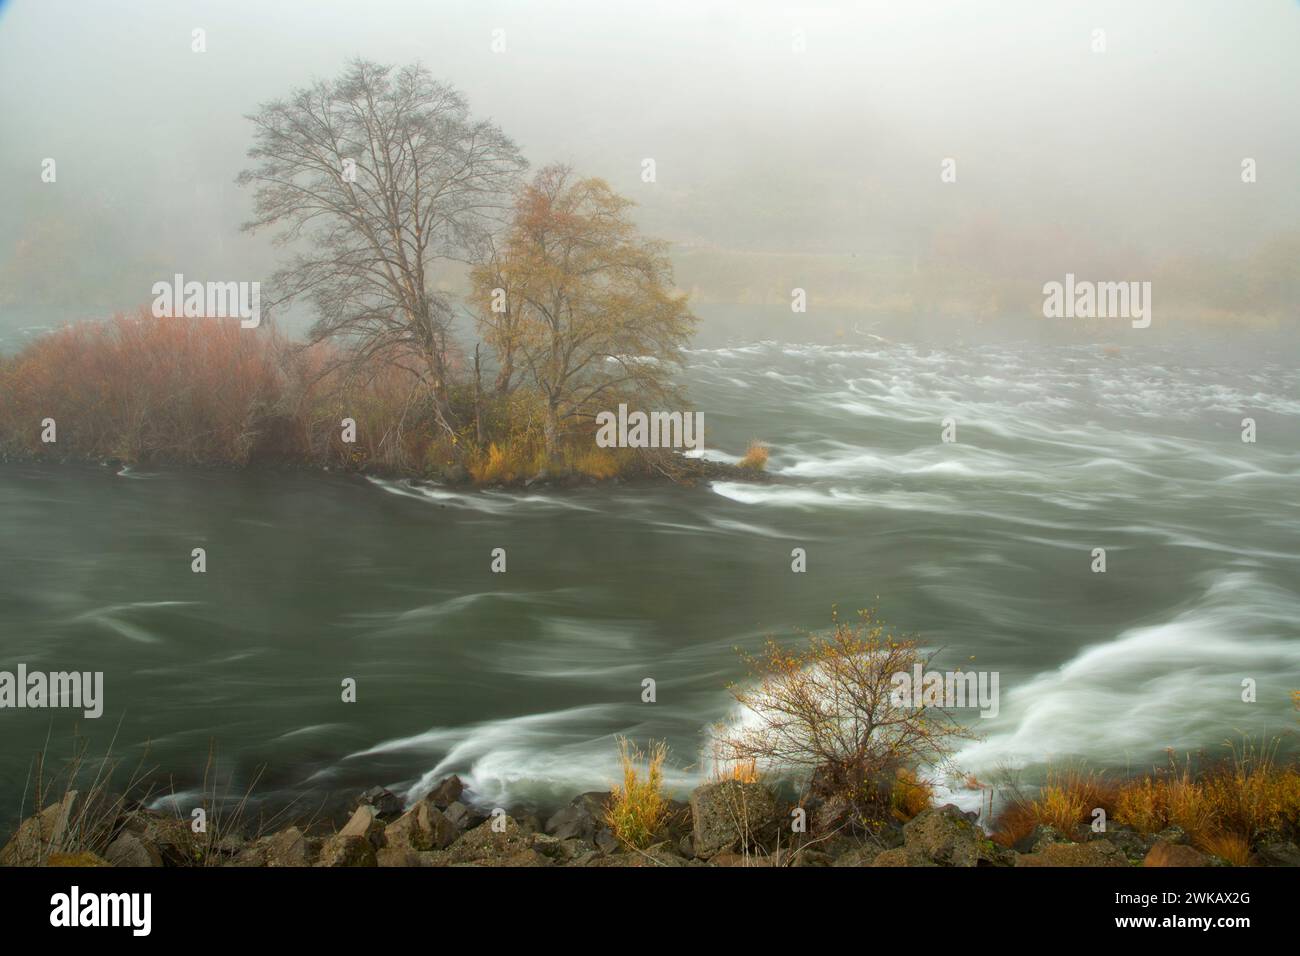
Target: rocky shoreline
(726, 823)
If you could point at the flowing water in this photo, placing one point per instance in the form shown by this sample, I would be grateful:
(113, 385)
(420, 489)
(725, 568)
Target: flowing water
(520, 681)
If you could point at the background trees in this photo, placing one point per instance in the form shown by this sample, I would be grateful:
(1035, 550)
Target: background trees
(577, 305)
(382, 174)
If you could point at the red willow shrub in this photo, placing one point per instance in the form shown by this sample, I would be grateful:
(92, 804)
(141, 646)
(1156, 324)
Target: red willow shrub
(204, 391)
(140, 388)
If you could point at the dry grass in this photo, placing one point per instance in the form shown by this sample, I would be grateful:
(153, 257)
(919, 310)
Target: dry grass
(1224, 808)
(505, 463)
(596, 462)
(1069, 798)
(1014, 823)
(755, 457)
(638, 807)
(1232, 847)
(86, 785)
(1143, 805)
(911, 794)
(741, 771)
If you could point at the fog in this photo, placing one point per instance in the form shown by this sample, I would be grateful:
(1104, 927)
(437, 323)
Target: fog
(819, 167)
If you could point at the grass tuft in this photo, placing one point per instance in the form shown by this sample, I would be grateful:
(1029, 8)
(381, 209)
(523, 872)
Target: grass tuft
(638, 807)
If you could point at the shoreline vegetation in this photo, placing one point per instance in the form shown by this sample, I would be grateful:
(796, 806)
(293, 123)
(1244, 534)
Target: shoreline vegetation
(139, 390)
(1238, 812)
(829, 771)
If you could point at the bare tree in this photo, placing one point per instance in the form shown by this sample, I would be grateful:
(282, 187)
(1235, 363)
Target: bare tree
(830, 709)
(382, 175)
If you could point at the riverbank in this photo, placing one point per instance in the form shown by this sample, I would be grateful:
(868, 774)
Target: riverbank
(723, 823)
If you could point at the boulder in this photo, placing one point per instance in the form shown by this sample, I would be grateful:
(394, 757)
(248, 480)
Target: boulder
(486, 846)
(423, 827)
(732, 815)
(1167, 853)
(385, 802)
(946, 836)
(397, 857)
(463, 816)
(131, 850)
(446, 792)
(866, 856)
(1092, 854)
(1132, 843)
(176, 843)
(584, 815)
(83, 858)
(1277, 853)
(1172, 835)
(899, 856)
(346, 851)
(289, 848)
(562, 851)
(41, 834)
(365, 823)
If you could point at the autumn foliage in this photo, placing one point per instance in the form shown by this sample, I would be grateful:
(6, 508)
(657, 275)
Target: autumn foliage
(826, 710)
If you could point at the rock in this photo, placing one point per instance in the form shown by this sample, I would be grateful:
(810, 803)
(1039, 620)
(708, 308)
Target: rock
(423, 827)
(563, 851)
(584, 815)
(487, 846)
(1092, 854)
(686, 846)
(365, 823)
(1277, 853)
(41, 834)
(82, 859)
(527, 857)
(1172, 835)
(176, 843)
(605, 840)
(1040, 838)
(732, 815)
(447, 792)
(289, 848)
(947, 837)
(130, 850)
(899, 857)
(1132, 843)
(1166, 853)
(806, 857)
(866, 856)
(655, 857)
(385, 802)
(397, 857)
(346, 851)
(464, 817)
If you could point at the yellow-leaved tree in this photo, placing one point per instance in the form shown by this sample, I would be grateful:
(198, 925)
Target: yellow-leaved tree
(577, 306)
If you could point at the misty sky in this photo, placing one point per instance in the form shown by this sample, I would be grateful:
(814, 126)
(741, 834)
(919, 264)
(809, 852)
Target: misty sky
(835, 150)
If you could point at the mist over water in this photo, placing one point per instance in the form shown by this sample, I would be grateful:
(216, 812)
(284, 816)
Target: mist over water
(520, 681)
